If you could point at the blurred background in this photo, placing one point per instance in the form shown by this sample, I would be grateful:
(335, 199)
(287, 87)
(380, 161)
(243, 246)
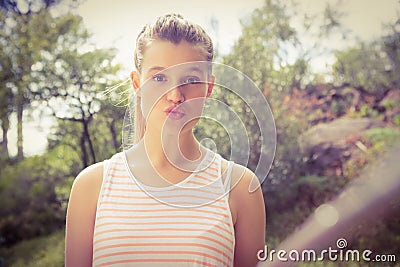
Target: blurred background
(330, 71)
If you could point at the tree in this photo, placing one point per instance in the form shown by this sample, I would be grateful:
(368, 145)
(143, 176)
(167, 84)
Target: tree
(262, 53)
(261, 50)
(363, 67)
(111, 116)
(26, 32)
(372, 67)
(6, 94)
(27, 6)
(391, 47)
(71, 79)
(104, 131)
(51, 61)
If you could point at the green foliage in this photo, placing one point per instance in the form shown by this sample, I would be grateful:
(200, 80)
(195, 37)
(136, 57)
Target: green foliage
(104, 131)
(390, 104)
(372, 67)
(367, 111)
(71, 81)
(261, 53)
(25, 39)
(293, 200)
(261, 50)
(48, 64)
(396, 120)
(34, 194)
(38, 252)
(108, 122)
(380, 235)
(338, 107)
(383, 136)
(319, 183)
(227, 130)
(362, 67)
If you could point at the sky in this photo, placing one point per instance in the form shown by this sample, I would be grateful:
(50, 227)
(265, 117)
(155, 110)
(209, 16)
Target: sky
(116, 24)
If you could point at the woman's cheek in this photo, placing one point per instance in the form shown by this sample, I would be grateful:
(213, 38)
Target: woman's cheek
(150, 96)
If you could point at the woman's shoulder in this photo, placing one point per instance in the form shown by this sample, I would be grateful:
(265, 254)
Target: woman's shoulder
(240, 175)
(92, 172)
(243, 183)
(89, 180)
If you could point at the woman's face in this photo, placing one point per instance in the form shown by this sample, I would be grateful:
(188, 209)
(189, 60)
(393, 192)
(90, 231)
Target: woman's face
(174, 85)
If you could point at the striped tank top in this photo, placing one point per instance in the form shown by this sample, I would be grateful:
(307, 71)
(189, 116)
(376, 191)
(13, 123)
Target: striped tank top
(186, 224)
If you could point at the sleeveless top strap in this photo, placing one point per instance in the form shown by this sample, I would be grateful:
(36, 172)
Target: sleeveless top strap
(227, 182)
(106, 166)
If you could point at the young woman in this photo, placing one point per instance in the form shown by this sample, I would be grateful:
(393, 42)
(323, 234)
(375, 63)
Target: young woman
(167, 200)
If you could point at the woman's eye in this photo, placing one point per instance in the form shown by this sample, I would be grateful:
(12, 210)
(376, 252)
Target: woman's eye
(191, 80)
(159, 78)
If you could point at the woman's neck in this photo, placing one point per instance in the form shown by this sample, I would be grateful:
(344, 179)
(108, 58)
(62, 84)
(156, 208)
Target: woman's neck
(166, 149)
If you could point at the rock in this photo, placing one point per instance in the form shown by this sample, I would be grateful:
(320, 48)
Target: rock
(327, 145)
(334, 131)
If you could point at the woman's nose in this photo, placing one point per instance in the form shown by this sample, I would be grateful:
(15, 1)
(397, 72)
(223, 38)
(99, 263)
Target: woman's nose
(175, 95)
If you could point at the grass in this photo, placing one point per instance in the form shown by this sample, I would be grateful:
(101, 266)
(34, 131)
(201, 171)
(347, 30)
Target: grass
(386, 135)
(42, 251)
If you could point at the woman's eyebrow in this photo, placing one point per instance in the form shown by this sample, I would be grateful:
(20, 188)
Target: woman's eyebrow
(196, 69)
(155, 69)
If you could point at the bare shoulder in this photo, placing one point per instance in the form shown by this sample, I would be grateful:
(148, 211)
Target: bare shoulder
(245, 190)
(248, 214)
(88, 182)
(90, 177)
(80, 219)
(242, 178)
(84, 196)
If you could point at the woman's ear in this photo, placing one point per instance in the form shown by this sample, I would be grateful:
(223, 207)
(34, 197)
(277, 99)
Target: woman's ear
(210, 86)
(135, 79)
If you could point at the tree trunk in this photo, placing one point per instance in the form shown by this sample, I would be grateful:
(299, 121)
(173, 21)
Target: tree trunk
(4, 143)
(114, 135)
(20, 110)
(85, 160)
(88, 139)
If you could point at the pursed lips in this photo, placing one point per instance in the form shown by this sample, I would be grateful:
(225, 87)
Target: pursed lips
(175, 112)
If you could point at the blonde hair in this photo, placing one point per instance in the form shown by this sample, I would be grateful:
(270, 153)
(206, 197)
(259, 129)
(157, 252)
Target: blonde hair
(174, 28)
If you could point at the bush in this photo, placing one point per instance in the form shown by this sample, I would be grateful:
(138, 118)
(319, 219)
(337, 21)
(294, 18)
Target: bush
(42, 251)
(34, 194)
